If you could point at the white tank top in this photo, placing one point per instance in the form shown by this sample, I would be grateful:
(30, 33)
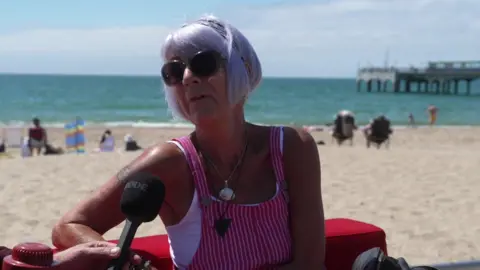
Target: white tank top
(184, 237)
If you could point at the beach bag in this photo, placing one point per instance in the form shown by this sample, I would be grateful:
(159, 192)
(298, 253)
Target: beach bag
(375, 259)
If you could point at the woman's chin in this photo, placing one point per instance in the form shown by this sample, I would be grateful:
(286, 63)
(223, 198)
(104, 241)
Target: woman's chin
(204, 118)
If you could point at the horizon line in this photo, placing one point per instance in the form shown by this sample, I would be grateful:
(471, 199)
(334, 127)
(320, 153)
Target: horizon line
(155, 75)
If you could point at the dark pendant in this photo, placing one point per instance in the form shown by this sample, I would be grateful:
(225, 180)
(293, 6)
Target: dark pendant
(222, 225)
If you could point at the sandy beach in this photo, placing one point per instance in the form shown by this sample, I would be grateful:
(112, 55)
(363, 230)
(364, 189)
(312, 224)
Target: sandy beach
(423, 191)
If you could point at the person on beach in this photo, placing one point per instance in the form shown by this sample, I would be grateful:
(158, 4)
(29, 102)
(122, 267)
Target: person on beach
(105, 136)
(37, 137)
(107, 142)
(432, 112)
(53, 150)
(378, 131)
(238, 195)
(131, 144)
(3, 147)
(411, 120)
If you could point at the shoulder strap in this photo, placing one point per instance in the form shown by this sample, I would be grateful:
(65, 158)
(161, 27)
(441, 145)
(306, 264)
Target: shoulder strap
(276, 152)
(195, 165)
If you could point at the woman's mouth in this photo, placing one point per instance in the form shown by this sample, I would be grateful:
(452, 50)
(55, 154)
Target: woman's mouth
(197, 98)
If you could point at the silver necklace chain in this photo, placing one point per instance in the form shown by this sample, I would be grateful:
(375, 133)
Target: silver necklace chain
(226, 193)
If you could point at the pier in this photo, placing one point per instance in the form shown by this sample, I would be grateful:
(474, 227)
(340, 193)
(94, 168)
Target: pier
(437, 78)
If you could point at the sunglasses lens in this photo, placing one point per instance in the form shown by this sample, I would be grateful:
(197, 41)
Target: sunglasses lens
(204, 64)
(172, 72)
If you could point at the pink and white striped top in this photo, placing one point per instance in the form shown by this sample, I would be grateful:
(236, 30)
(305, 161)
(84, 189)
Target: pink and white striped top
(258, 236)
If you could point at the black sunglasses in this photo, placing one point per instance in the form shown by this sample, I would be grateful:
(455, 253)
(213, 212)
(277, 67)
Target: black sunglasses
(202, 64)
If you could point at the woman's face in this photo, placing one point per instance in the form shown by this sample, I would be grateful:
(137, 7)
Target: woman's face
(200, 85)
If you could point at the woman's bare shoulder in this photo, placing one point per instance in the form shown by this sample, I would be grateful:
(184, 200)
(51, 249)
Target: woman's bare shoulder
(163, 160)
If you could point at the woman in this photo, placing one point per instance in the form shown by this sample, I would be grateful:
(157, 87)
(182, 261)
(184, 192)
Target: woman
(107, 142)
(105, 136)
(37, 137)
(227, 205)
(432, 112)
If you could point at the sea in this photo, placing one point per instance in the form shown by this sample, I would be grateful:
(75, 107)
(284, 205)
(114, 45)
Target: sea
(139, 101)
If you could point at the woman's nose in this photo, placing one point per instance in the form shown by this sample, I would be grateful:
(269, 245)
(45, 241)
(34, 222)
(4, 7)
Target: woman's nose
(189, 78)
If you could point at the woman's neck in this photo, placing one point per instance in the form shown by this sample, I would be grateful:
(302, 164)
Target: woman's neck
(224, 142)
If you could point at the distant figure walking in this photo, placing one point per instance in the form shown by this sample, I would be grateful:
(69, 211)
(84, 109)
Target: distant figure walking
(411, 120)
(432, 111)
(37, 137)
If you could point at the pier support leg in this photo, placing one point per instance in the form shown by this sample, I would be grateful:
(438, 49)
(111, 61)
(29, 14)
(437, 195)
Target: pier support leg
(369, 86)
(468, 87)
(379, 86)
(396, 86)
(455, 87)
(408, 85)
(446, 87)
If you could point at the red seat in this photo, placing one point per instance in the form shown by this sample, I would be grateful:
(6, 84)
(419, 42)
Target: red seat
(346, 239)
(154, 248)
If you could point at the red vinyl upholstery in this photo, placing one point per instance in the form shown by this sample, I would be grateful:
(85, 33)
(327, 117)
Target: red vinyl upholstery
(346, 239)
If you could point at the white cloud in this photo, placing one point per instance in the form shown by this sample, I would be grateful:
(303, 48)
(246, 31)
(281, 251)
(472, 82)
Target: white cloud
(314, 39)
(117, 41)
(336, 35)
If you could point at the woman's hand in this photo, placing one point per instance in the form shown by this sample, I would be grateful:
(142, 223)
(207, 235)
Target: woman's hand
(92, 255)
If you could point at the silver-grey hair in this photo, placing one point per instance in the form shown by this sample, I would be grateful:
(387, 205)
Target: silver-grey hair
(243, 69)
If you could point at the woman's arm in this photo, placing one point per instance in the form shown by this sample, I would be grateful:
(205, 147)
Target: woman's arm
(100, 212)
(302, 172)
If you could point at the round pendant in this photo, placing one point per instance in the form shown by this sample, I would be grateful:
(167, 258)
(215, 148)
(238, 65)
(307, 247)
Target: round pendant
(226, 194)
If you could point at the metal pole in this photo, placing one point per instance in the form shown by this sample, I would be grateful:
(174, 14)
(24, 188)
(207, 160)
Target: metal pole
(465, 265)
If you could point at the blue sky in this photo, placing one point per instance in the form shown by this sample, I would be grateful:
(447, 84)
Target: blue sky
(302, 38)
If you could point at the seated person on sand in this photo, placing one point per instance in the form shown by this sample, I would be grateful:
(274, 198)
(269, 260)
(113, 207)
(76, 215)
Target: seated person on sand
(343, 127)
(52, 150)
(378, 131)
(37, 137)
(131, 144)
(3, 147)
(254, 201)
(107, 142)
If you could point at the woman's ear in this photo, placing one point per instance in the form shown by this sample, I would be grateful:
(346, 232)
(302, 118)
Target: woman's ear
(241, 103)
(244, 100)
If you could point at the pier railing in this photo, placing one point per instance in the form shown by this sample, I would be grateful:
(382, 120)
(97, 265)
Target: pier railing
(436, 78)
